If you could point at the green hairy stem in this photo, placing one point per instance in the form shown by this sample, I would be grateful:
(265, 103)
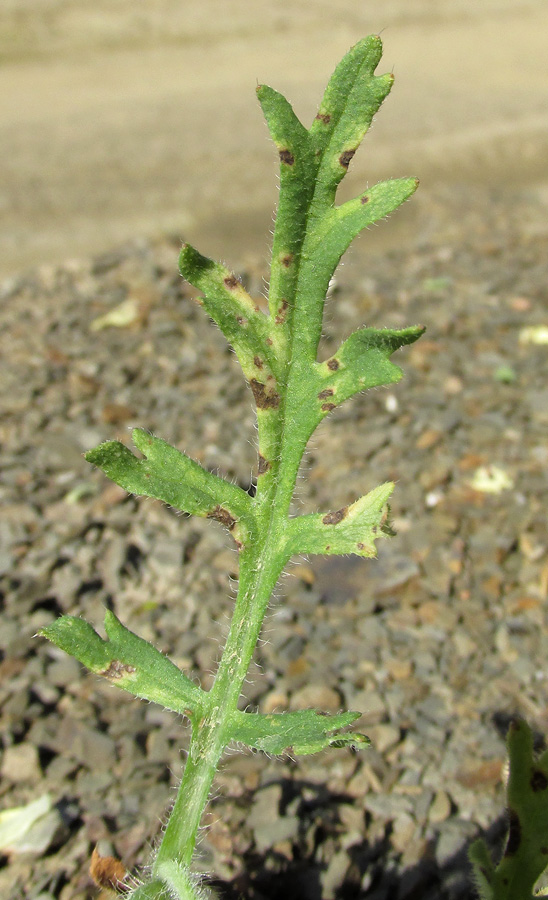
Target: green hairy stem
(293, 392)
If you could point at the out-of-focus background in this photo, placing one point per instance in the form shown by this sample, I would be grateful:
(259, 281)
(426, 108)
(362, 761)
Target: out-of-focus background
(121, 118)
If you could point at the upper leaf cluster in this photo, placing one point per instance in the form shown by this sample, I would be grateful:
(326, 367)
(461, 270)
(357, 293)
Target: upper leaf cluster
(293, 392)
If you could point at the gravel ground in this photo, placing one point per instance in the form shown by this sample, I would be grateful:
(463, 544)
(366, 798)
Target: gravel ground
(439, 642)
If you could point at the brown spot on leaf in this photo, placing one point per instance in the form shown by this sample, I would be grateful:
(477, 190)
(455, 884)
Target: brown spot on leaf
(117, 669)
(264, 398)
(231, 282)
(223, 516)
(268, 341)
(327, 407)
(108, 872)
(287, 260)
(241, 320)
(328, 392)
(365, 198)
(264, 465)
(538, 782)
(282, 312)
(345, 158)
(324, 117)
(360, 546)
(333, 518)
(333, 364)
(258, 362)
(287, 157)
(514, 834)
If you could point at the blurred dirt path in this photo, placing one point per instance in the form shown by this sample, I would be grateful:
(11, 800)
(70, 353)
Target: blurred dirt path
(114, 125)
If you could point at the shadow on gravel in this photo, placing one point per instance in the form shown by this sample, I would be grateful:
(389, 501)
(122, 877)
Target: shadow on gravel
(373, 872)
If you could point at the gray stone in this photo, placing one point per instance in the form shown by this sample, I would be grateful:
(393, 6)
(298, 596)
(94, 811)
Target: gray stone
(333, 877)
(20, 763)
(64, 672)
(271, 833)
(316, 696)
(451, 840)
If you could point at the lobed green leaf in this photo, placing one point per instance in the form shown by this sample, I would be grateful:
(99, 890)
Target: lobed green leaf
(334, 232)
(298, 167)
(225, 299)
(301, 732)
(351, 529)
(361, 362)
(351, 99)
(169, 475)
(127, 661)
(525, 857)
(286, 130)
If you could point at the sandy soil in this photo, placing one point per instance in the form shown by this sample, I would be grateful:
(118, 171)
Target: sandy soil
(120, 120)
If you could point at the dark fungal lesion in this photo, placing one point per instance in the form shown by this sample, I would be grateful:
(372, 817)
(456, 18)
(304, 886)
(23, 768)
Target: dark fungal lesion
(257, 361)
(324, 117)
(327, 392)
(365, 198)
(222, 515)
(231, 282)
(333, 364)
(514, 833)
(539, 781)
(345, 158)
(265, 398)
(333, 518)
(287, 157)
(263, 465)
(287, 260)
(117, 669)
(327, 407)
(282, 312)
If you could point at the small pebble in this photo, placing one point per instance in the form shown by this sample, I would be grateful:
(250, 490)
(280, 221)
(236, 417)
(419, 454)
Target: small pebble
(440, 808)
(21, 763)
